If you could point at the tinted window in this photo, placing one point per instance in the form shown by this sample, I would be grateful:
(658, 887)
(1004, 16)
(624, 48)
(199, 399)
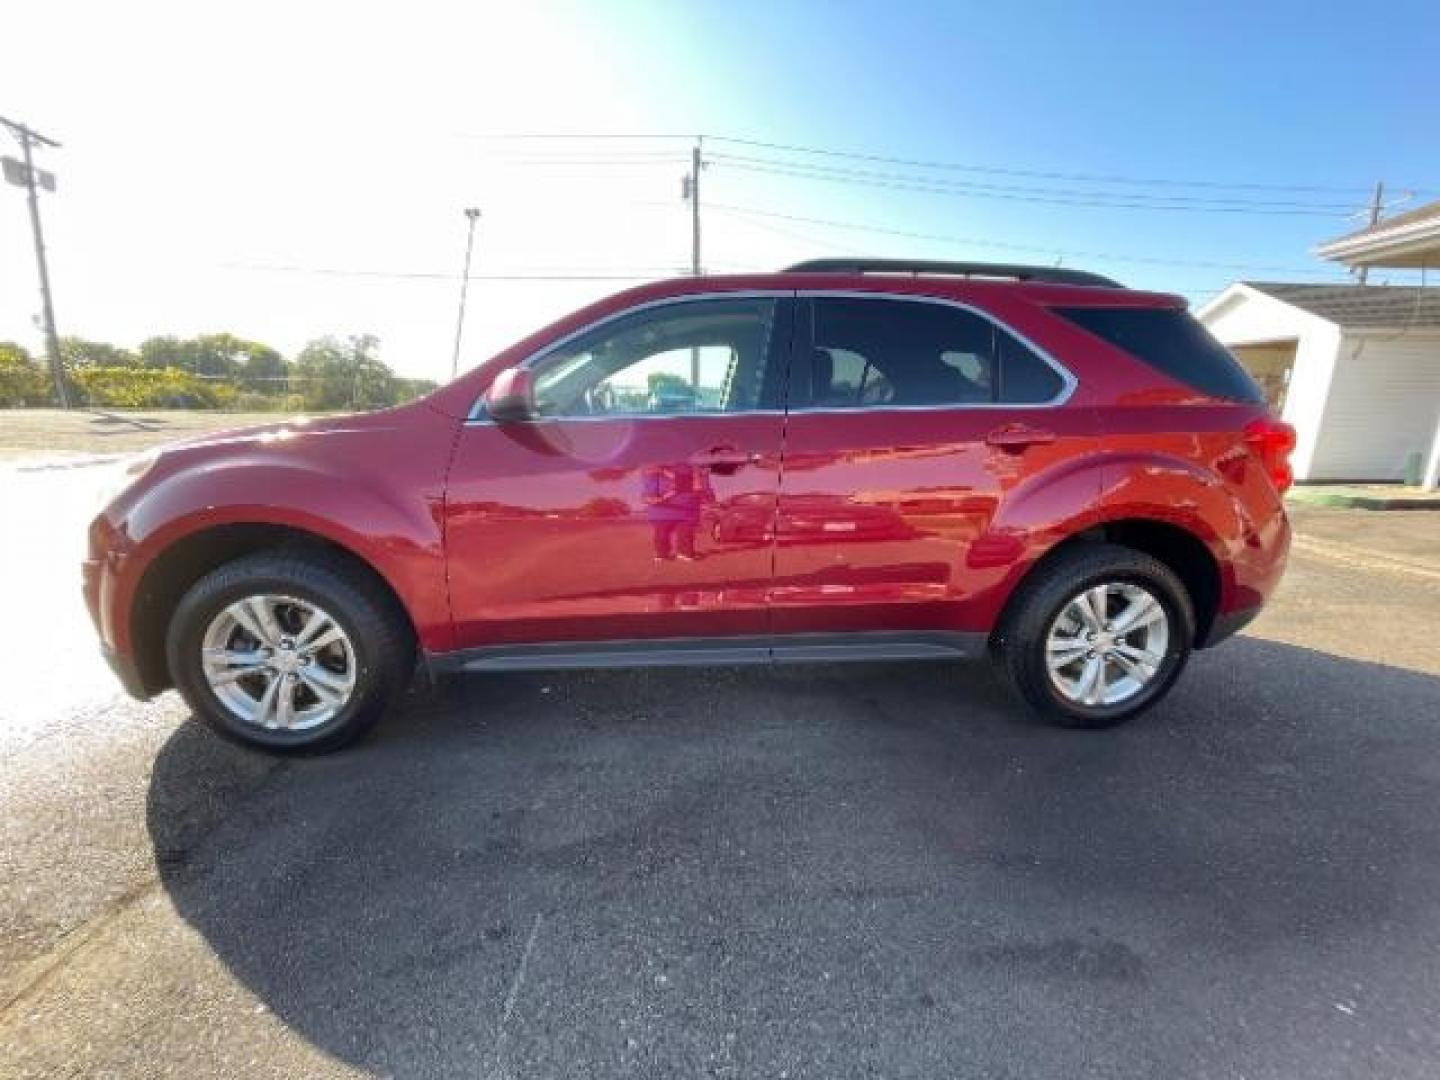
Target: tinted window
(1173, 342)
(1025, 379)
(879, 352)
(703, 356)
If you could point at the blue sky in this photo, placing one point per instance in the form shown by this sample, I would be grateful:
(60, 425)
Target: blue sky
(1238, 93)
(287, 170)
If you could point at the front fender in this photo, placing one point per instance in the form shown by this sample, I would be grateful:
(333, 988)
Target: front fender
(384, 507)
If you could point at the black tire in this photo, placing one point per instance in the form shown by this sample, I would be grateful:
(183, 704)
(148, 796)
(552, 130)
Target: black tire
(379, 635)
(1019, 644)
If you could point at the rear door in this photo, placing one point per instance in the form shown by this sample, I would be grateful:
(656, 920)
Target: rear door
(912, 419)
(639, 503)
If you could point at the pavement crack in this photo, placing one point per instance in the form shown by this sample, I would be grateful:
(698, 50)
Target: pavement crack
(40, 972)
(511, 997)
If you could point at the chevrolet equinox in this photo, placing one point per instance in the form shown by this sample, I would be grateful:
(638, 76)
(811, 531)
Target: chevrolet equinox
(848, 460)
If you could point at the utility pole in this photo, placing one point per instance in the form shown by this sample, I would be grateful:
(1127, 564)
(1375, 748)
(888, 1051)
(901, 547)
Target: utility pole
(694, 192)
(473, 215)
(1375, 206)
(29, 138)
(691, 190)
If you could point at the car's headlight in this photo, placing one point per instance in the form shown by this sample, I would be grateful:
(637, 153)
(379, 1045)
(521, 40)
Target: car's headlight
(125, 473)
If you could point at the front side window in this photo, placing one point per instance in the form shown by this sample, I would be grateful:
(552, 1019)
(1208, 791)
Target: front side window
(872, 352)
(700, 356)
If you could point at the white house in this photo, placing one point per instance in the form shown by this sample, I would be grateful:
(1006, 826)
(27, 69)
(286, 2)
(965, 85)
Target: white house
(1355, 369)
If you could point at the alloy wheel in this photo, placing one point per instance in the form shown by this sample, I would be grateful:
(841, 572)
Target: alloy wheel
(278, 662)
(1107, 644)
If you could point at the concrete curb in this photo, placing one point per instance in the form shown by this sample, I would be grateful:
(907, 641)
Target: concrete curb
(1362, 558)
(23, 465)
(1351, 501)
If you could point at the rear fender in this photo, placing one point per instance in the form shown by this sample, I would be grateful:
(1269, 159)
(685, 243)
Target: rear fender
(1053, 507)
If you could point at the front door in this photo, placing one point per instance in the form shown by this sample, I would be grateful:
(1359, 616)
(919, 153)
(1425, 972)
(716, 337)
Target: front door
(921, 416)
(639, 502)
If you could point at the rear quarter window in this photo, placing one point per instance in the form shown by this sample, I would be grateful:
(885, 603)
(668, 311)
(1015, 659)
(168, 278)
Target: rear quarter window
(1172, 342)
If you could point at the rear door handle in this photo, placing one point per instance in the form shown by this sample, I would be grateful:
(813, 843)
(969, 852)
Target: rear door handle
(723, 459)
(1018, 437)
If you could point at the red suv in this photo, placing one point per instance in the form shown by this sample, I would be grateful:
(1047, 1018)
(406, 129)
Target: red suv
(849, 460)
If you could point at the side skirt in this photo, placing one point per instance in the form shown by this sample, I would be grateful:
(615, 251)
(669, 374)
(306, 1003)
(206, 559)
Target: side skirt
(714, 652)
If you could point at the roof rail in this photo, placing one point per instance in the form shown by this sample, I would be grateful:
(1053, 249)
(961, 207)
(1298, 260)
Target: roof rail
(1050, 275)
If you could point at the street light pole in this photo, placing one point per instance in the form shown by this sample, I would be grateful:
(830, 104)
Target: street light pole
(473, 215)
(27, 139)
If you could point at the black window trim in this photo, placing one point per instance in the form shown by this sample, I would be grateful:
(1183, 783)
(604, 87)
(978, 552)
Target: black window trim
(1067, 378)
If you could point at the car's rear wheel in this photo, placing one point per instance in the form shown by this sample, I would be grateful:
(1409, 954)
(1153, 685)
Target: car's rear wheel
(288, 652)
(1097, 635)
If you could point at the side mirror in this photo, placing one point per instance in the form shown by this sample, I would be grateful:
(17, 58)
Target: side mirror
(510, 398)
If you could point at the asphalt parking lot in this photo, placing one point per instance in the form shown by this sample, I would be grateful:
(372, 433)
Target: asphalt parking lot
(807, 872)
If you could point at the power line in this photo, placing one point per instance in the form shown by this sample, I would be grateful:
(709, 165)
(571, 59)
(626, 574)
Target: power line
(635, 160)
(941, 165)
(749, 218)
(576, 136)
(428, 275)
(994, 170)
(1079, 193)
(1099, 200)
(746, 211)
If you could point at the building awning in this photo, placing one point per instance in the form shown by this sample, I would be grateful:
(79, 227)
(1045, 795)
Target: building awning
(1409, 240)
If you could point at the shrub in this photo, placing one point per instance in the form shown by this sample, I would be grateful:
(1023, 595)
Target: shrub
(144, 388)
(23, 381)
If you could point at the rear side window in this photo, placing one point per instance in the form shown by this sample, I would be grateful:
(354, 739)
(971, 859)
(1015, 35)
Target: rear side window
(1172, 342)
(870, 352)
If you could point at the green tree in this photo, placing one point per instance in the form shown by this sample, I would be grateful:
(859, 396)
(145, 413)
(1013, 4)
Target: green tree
(163, 352)
(249, 364)
(334, 374)
(23, 381)
(410, 389)
(261, 368)
(77, 353)
(660, 381)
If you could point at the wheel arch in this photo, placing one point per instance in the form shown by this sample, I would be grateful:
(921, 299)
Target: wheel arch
(172, 571)
(1179, 548)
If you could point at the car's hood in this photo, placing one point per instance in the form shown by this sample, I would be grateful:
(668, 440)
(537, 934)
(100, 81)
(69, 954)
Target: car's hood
(297, 429)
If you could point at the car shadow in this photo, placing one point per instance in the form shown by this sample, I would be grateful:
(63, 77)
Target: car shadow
(831, 871)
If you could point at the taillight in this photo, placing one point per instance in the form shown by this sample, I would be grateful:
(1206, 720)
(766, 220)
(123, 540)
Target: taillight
(1272, 441)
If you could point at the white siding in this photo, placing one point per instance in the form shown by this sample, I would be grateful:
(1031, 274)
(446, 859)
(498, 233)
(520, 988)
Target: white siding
(1310, 385)
(1242, 316)
(1245, 317)
(1382, 407)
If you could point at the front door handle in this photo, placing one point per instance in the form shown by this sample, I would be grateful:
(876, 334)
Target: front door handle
(1016, 437)
(723, 459)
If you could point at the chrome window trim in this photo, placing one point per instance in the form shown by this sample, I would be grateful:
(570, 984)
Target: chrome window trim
(1068, 380)
(477, 410)
(1067, 377)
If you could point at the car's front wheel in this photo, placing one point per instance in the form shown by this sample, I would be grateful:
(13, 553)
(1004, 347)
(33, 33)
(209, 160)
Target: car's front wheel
(287, 651)
(1097, 635)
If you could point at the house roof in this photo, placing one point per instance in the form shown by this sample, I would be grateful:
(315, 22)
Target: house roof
(1361, 307)
(1409, 239)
